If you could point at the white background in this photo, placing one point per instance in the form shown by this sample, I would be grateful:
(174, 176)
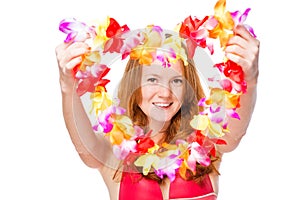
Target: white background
(37, 157)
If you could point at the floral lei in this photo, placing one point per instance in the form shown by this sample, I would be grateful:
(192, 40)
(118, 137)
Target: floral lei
(210, 124)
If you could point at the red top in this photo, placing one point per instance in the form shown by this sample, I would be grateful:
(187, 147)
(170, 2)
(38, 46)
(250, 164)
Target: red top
(146, 189)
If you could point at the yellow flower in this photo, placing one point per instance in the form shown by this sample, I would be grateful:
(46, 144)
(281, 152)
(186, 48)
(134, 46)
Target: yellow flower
(100, 99)
(224, 98)
(124, 123)
(153, 149)
(116, 135)
(147, 161)
(203, 123)
(122, 129)
(101, 37)
(200, 122)
(215, 130)
(145, 55)
(92, 58)
(174, 43)
(89, 59)
(183, 148)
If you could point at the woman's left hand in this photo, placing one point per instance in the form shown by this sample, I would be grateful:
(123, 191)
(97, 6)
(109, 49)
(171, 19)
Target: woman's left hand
(243, 49)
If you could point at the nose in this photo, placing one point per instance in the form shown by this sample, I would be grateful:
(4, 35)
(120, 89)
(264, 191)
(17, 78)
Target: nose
(164, 91)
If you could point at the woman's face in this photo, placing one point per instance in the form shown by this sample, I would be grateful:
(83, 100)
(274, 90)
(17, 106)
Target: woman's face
(162, 91)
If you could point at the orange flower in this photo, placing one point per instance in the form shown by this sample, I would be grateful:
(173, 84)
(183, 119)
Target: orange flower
(223, 30)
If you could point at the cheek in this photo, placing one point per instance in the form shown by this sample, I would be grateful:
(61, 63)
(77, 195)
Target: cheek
(178, 94)
(145, 98)
(147, 92)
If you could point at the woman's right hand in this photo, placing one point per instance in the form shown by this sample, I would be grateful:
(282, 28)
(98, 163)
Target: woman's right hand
(69, 55)
(92, 150)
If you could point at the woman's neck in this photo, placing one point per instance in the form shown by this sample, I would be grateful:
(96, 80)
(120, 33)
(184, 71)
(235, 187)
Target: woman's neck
(158, 129)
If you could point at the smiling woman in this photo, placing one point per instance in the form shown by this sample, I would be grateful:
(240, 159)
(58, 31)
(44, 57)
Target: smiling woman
(161, 92)
(161, 133)
(163, 105)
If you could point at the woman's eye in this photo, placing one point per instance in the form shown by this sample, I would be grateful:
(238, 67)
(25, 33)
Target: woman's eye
(177, 82)
(152, 80)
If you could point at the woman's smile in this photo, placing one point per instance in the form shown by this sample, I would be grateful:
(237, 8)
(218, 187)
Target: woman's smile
(163, 105)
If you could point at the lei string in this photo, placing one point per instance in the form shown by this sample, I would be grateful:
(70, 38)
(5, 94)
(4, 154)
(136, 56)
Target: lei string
(129, 142)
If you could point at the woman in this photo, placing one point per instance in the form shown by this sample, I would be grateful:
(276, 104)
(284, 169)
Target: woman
(157, 99)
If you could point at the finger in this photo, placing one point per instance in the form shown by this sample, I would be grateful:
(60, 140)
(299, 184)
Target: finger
(246, 49)
(59, 49)
(238, 60)
(73, 63)
(65, 67)
(242, 31)
(248, 64)
(78, 37)
(236, 50)
(64, 45)
(78, 45)
(82, 37)
(67, 72)
(245, 53)
(237, 41)
(73, 51)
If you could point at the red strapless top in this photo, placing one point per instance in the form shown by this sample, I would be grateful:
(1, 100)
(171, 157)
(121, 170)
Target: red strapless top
(146, 189)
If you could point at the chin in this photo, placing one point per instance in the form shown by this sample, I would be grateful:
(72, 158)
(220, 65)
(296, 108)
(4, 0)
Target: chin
(162, 117)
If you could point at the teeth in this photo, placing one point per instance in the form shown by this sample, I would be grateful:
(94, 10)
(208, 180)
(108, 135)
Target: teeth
(162, 104)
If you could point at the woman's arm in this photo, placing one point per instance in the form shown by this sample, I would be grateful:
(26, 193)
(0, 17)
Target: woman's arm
(242, 49)
(94, 150)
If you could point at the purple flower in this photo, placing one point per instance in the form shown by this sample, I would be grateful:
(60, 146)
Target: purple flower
(240, 18)
(168, 166)
(75, 30)
(105, 119)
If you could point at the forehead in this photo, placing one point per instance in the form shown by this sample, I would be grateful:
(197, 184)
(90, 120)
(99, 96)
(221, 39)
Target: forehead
(176, 69)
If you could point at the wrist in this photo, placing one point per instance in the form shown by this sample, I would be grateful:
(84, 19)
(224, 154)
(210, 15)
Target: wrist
(68, 86)
(253, 81)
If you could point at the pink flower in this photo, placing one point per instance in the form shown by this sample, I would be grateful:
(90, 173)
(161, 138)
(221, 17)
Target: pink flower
(127, 146)
(198, 155)
(130, 42)
(106, 118)
(196, 32)
(168, 166)
(75, 30)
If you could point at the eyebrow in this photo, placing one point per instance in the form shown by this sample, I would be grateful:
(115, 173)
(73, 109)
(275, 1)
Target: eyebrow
(159, 76)
(152, 74)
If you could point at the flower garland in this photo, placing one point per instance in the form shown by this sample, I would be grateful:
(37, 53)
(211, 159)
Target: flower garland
(210, 125)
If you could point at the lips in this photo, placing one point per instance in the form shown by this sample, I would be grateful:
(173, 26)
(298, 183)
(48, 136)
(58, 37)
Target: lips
(162, 105)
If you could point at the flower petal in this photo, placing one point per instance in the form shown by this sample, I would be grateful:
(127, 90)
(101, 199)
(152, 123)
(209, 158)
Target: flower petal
(200, 122)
